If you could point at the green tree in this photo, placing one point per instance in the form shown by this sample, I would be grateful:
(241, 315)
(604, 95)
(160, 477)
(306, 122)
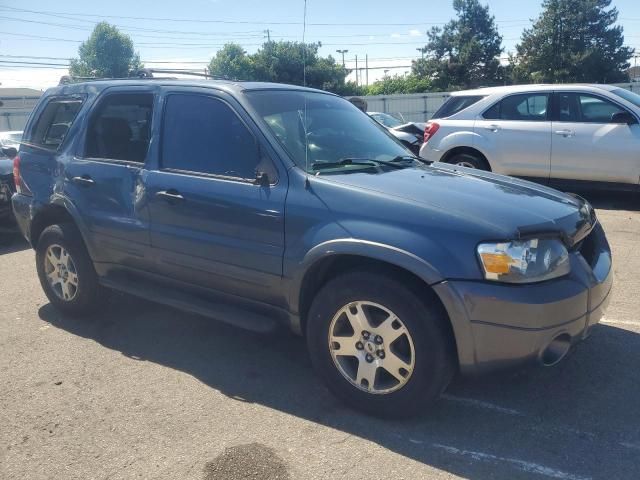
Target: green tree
(107, 53)
(283, 62)
(465, 52)
(232, 62)
(399, 84)
(573, 41)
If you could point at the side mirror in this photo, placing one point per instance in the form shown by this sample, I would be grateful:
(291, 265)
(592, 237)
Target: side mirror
(10, 152)
(262, 179)
(623, 117)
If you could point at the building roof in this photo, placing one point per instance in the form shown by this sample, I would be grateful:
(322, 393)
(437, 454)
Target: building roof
(19, 92)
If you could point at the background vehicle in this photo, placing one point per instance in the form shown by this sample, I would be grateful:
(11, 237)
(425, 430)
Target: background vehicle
(409, 133)
(7, 224)
(10, 139)
(260, 204)
(565, 134)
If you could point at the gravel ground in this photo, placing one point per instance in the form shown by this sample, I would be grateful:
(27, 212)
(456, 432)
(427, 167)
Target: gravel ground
(143, 391)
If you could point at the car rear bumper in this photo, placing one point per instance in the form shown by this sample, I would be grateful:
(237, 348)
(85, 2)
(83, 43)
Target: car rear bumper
(499, 325)
(429, 153)
(22, 213)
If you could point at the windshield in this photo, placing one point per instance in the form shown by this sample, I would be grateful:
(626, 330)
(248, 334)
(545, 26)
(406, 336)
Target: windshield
(332, 130)
(628, 96)
(387, 120)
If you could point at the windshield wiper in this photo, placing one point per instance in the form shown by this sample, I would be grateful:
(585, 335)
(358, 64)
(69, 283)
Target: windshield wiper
(406, 158)
(367, 162)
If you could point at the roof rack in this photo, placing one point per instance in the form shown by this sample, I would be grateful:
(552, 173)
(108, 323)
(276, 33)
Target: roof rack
(144, 73)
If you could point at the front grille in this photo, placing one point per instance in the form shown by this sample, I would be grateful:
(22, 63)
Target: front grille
(588, 247)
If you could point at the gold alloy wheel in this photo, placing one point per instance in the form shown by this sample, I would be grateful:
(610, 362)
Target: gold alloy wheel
(61, 272)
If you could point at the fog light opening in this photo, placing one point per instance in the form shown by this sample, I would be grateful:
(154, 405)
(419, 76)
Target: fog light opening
(556, 350)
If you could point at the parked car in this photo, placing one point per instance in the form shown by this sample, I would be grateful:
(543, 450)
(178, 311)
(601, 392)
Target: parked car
(411, 134)
(7, 224)
(265, 204)
(567, 134)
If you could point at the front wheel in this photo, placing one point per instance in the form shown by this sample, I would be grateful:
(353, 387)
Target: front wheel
(469, 160)
(379, 346)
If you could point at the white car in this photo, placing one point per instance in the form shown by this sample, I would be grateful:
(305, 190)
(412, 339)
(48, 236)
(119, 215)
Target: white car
(561, 134)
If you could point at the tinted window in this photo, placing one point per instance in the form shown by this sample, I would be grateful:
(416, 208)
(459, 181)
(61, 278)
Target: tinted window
(584, 108)
(120, 128)
(55, 120)
(456, 104)
(524, 107)
(597, 110)
(202, 134)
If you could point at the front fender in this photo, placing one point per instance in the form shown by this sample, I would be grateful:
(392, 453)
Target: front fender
(362, 248)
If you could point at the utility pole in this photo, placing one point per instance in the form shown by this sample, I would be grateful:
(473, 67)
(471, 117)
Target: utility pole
(267, 32)
(366, 60)
(342, 52)
(422, 50)
(356, 70)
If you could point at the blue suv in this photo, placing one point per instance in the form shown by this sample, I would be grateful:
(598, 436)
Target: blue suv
(263, 205)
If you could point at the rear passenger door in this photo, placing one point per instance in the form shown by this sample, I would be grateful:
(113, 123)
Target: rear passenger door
(587, 145)
(104, 178)
(214, 224)
(515, 133)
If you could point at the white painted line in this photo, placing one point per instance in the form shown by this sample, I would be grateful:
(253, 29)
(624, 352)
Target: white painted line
(528, 467)
(619, 322)
(482, 404)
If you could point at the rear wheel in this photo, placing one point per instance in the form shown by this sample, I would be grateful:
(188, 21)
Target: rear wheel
(378, 346)
(66, 272)
(469, 160)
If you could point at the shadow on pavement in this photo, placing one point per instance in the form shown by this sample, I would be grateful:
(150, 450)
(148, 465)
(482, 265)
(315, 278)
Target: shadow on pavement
(12, 242)
(612, 200)
(576, 421)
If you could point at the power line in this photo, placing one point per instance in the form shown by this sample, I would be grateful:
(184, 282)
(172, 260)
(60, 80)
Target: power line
(244, 22)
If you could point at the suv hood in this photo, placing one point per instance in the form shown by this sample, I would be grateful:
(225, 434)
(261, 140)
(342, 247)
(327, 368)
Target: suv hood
(512, 208)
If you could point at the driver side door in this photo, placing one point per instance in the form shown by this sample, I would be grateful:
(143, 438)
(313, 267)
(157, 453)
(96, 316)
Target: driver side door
(587, 145)
(211, 223)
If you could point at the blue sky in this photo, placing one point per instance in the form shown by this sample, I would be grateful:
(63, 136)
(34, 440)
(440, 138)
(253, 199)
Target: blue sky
(388, 32)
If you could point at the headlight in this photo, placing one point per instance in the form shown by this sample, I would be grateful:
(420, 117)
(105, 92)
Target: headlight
(524, 261)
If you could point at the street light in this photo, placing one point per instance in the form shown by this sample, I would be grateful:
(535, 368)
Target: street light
(422, 51)
(342, 52)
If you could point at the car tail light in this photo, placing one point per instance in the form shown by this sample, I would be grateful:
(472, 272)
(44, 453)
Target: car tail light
(21, 186)
(430, 130)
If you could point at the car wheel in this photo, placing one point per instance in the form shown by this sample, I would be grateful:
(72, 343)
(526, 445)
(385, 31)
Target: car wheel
(379, 346)
(66, 272)
(469, 160)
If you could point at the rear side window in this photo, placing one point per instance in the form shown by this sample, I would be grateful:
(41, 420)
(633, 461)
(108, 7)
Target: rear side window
(456, 104)
(54, 122)
(532, 107)
(120, 128)
(204, 135)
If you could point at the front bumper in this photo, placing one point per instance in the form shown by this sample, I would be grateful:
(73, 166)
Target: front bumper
(500, 325)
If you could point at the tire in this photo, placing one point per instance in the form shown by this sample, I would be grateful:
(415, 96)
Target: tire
(61, 243)
(425, 336)
(469, 160)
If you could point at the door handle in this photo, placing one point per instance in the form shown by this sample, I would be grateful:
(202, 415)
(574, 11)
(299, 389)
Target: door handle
(493, 127)
(565, 133)
(85, 180)
(171, 195)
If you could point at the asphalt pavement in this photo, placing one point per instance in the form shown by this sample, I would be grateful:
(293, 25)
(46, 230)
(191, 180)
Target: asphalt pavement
(144, 391)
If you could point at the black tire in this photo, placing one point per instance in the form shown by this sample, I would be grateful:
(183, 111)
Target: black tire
(424, 320)
(469, 160)
(88, 295)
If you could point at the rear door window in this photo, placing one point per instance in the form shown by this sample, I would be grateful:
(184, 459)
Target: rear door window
(120, 129)
(54, 122)
(456, 104)
(523, 107)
